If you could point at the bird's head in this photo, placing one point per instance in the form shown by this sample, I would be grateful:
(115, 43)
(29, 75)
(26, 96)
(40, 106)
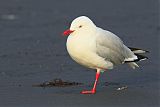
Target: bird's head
(81, 24)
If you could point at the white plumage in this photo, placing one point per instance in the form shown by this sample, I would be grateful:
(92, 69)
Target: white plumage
(95, 48)
(98, 49)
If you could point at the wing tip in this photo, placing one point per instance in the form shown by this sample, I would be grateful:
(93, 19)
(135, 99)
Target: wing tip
(138, 50)
(139, 58)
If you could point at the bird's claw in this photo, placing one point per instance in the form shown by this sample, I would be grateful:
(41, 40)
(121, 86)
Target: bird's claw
(88, 92)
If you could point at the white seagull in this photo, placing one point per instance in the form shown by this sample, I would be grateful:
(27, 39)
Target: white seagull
(98, 49)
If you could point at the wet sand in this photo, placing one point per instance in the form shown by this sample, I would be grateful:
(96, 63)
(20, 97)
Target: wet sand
(32, 51)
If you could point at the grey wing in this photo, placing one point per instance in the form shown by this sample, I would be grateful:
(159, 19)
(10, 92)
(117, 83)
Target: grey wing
(111, 47)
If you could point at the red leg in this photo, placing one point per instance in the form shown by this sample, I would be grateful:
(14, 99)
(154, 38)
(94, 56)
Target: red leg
(93, 91)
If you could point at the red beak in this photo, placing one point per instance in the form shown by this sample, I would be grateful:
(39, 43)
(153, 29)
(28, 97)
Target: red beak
(67, 32)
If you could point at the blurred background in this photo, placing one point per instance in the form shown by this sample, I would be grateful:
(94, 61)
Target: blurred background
(33, 50)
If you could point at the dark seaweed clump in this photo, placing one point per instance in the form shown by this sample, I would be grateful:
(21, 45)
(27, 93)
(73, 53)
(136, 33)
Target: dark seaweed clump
(57, 83)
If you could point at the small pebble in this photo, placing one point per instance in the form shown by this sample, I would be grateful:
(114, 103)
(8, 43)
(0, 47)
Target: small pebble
(122, 88)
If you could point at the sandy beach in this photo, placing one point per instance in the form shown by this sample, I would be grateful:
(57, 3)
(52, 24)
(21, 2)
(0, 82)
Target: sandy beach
(32, 51)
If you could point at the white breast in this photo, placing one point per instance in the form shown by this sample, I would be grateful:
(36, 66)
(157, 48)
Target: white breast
(82, 49)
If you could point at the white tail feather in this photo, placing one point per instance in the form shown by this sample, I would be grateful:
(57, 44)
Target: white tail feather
(133, 65)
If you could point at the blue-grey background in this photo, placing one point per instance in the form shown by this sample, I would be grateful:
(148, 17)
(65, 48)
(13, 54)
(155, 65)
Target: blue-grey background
(32, 50)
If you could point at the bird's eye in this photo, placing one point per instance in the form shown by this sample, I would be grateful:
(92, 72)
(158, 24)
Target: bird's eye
(80, 26)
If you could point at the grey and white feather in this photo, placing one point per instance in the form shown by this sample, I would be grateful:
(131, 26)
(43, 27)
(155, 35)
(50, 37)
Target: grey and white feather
(96, 48)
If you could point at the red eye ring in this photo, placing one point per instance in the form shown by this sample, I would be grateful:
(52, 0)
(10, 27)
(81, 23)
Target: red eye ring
(80, 26)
